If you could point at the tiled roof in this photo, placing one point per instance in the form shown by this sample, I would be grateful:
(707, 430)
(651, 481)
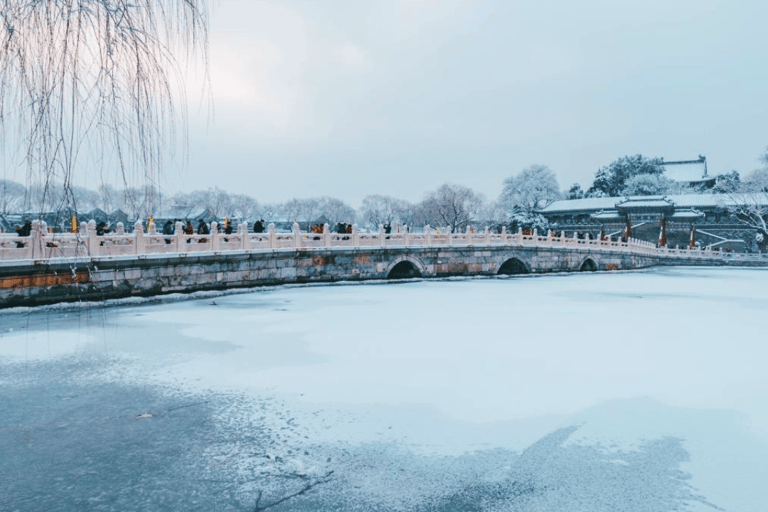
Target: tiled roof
(588, 204)
(680, 201)
(691, 171)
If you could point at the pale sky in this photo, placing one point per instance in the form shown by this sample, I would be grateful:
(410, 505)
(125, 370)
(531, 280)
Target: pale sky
(348, 98)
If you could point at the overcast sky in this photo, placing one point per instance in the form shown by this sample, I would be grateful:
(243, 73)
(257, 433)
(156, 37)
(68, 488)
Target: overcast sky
(350, 98)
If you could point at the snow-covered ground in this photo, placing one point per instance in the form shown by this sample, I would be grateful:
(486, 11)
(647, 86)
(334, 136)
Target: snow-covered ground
(563, 392)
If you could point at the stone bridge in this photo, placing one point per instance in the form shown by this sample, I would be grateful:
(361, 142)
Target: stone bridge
(45, 268)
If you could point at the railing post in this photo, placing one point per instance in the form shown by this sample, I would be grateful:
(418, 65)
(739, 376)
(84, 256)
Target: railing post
(563, 240)
(151, 228)
(520, 236)
(120, 229)
(93, 242)
(215, 236)
(243, 229)
(427, 235)
(296, 235)
(503, 235)
(272, 237)
(487, 236)
(178, 233)
(406, 232)
(449, 233)
(355, 236)
(138, 238)
(326, 235)
(36, 241)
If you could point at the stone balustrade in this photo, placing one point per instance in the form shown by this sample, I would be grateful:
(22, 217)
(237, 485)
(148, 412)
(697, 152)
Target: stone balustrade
(41, 245)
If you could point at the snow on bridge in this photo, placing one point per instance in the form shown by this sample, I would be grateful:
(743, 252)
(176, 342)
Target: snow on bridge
(84, 266)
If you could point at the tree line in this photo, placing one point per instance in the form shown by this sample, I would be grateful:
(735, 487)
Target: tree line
(450, 205)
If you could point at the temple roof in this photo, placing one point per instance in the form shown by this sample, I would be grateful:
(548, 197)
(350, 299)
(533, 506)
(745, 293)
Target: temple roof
(687, 214)
(687, 171)
(645, 203)
(607, 215)
(595, 204)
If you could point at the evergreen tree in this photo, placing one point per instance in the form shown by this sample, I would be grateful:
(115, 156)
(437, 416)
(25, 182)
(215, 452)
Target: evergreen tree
(612, 180)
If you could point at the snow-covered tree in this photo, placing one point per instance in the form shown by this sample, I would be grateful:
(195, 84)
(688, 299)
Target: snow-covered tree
(379, 209)
(142, 202)
(612, 180)
(494, 215)
(535, 187)
(575, 192)
(336, 210)
(649, 185)
(528, 221)
(451, 205)
(751, 210)
(301, 210)
(243, 206)
(727, 183)
(756, 181)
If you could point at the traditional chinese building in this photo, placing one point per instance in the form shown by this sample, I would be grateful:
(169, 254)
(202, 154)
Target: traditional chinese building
(675, 220)
(692, 173)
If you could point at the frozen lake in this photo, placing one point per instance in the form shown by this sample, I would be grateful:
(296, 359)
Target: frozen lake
(637, 391)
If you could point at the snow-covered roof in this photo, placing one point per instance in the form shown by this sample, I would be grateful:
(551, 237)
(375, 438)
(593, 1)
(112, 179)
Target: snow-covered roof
(687, 214)
(644, 202)
(687, 171)
(588, 204)
(679, 201)
(607, 215)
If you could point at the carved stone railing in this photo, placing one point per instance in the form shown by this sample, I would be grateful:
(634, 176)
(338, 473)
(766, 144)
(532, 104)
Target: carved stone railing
(41, 245)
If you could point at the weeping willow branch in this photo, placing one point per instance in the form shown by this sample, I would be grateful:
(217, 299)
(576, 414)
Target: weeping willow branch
(96, 83)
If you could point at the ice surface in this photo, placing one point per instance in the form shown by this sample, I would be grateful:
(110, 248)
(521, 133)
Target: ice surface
(641, 362)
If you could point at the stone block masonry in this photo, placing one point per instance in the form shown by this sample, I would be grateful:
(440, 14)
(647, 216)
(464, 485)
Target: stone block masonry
(110, 271)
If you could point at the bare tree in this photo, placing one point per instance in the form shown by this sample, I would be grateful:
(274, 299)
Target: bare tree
(301, 210)
(12, 196)
(756, 181)
(378, 209)
(750, 208)
(267, 210)
(109, 198)
(336, 210)
(244, 206)
(216, 200)
(45, 195)
(535, 187)
(407, 213)
(494, 214)
(454, 206)
(142, 202)
(95, 79)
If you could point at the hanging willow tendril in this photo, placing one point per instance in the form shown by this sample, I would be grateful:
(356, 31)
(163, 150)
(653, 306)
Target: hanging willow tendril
(96, 83)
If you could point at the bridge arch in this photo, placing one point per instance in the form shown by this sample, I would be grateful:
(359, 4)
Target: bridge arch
(513, 266)
(588, 265)
(405, 268)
